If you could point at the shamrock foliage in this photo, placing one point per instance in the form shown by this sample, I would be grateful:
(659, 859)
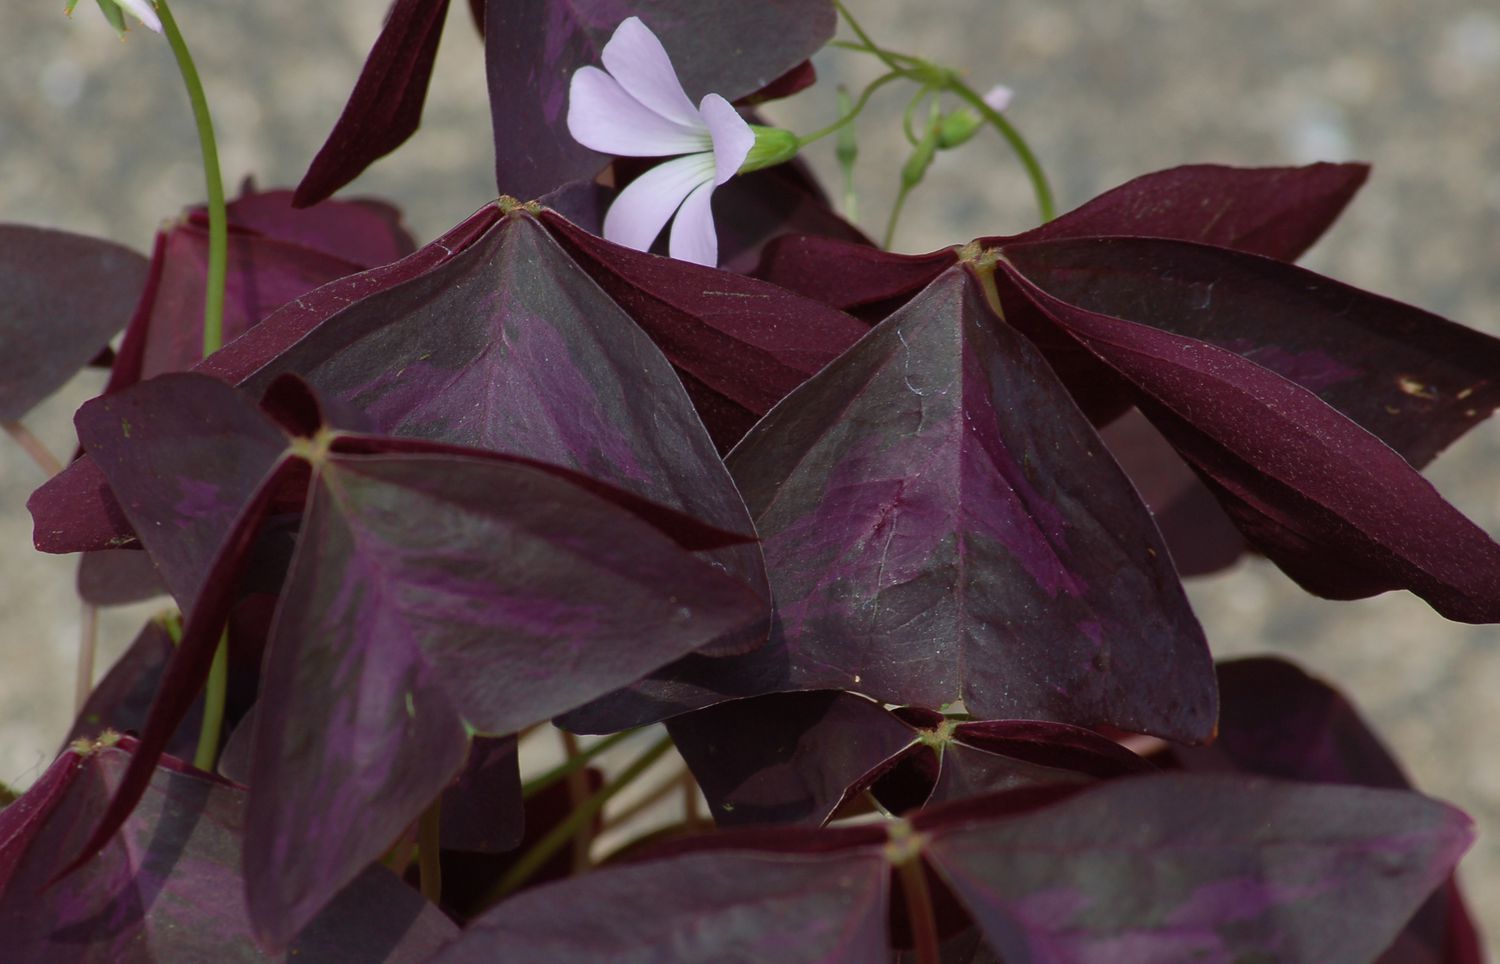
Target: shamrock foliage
(875, 535)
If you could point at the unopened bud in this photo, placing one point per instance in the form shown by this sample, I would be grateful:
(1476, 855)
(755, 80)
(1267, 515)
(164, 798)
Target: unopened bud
(957, 128)
(773, 145)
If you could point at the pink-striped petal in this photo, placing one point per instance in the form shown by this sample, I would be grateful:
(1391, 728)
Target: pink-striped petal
(732, 137)
(641, 210)
(640, 63)
(604, 117)
(693, 236)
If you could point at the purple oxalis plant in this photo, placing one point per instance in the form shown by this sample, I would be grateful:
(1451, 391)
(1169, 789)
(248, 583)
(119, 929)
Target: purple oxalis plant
(891, 544)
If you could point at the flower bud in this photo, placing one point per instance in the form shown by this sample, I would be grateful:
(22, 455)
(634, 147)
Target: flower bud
(773, 145)
(957, 128)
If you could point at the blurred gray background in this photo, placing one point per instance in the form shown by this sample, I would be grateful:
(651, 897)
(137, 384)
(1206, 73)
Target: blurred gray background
(95, 137)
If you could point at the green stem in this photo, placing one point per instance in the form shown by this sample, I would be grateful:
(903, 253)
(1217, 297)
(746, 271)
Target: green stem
(539, 783)
(218, 221)
(881, 52)
(859, 105)
(207, 754)
(213, 325)
(886, 57)
(429, 851)
(1039, 185)
(542, 851)
(890, 224)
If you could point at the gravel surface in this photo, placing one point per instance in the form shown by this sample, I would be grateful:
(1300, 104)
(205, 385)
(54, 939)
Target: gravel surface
(95, 137)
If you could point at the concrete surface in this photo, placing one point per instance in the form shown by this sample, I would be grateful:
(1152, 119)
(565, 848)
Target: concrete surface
(95, 137)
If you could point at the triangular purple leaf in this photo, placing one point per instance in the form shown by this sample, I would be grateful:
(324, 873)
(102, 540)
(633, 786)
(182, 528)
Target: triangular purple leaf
(1277, 212)
(385, 107)
(1221, 867)
(62, 296)
(941, 523)
(1277, 721)
(1414, 380)
(730, 907)
(166, 887)
(121, 700)
(183, 454)
(786, 757)
(1338, 510)
(738, 344)
(430, 593)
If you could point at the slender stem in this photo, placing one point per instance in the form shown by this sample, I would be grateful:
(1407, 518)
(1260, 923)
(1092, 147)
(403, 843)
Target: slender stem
(1039, 185)
(859, 105)
(885, 56)
(906, 115)
(88, 640)
(542, 851)
(919, 910)
(213, 325)
(878, 51)
(890, 224)
(578, 793)
(429, 851)
(207, 754)
(33, 447)
(539, 783)
(218, 221)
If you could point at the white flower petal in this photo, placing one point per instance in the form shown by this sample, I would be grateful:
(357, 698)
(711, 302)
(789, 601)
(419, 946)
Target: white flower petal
(604, 117)
(693, 236)
(732, 137)
(143, 11)
(638, 214)
(640, 63)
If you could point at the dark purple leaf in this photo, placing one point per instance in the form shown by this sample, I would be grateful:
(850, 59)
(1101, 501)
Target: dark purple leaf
(276, 254)
(794, 81)
(931, 538)
(850, 276)
(120, 701)
(62, 296)
(787, 757)
(1414, 380)
(1277, 721)
(117, 577)
(532, 48)
(1273, 211)
(739, 345)
(1201, 537)
(1333, 506)
(385, 107)
(364, 231)
(509, 346)
(1174, 867)
(986, 756)
(481, 811)
(729, 907)
(752, 210)
(431, 592)
(184, 454)
(469, 877)
(167, 886)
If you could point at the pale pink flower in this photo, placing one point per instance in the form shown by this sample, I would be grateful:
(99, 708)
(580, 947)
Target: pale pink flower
(636, 107)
